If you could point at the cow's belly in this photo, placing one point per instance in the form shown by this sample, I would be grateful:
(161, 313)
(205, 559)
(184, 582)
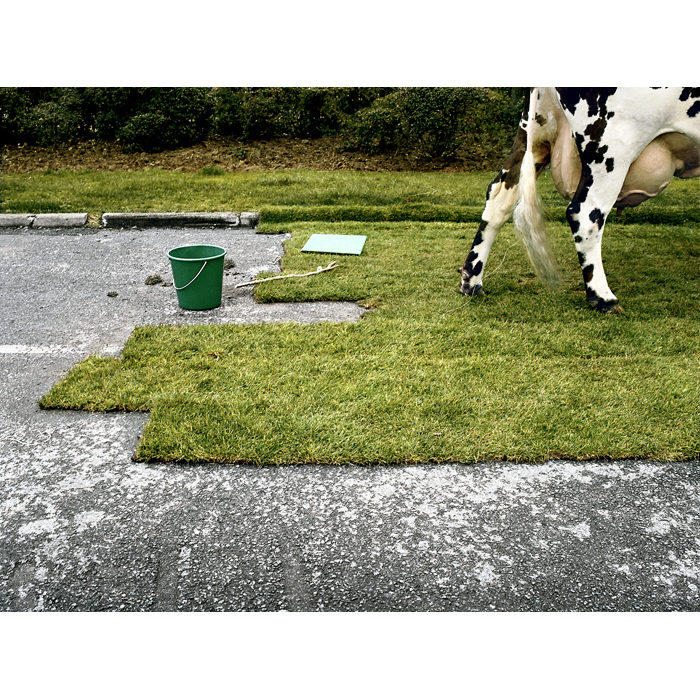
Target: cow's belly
(666, 156)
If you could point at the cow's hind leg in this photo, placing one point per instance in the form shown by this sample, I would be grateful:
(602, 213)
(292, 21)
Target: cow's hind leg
(608, 143)
(501, 198)
(587, 213)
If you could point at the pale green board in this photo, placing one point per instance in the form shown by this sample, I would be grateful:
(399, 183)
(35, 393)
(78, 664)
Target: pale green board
(331, 243)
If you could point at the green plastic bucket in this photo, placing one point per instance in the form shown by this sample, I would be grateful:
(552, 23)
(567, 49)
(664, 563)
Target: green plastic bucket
(198, 275)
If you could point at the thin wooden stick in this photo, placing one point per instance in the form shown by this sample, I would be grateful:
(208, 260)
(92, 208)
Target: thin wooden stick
(320, 269)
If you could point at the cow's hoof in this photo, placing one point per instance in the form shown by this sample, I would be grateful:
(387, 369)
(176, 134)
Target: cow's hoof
(607, 307)
(615, 309)
(475, 291)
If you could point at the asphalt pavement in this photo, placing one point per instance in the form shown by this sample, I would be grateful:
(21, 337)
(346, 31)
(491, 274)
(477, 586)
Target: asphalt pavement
(85, 528)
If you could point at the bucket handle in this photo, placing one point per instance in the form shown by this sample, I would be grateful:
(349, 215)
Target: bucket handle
(193, 279)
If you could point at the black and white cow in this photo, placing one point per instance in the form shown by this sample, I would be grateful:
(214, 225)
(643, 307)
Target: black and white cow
(607, 147)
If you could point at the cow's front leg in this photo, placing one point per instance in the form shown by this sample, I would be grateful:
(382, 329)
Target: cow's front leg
(501, 199)
(473, 269)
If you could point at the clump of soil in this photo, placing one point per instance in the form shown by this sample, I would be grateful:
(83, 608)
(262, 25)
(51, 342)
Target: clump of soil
(236, 156)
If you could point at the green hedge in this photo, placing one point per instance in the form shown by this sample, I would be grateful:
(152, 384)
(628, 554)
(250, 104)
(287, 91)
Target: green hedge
(153, 119)
(142, 119)
(433, 121)
(430, 121)
(263, 113)
(43, 116)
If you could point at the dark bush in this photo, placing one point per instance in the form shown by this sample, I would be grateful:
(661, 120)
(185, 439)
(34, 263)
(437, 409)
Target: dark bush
(429, 122)
(113, 107)
(58, 121)
(141, 118)
(228, 119)
(325, 111)
(43, 116)
(165, 118)
(376, 128)
(432, 122)
(145, 132)
(264, 113)
(14, 104)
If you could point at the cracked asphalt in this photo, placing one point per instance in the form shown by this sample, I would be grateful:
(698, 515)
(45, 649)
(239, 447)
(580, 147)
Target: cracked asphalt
(85, 528)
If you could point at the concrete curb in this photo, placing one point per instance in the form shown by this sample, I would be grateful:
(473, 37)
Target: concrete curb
(181, 220)
(43, 220)
(247, 219)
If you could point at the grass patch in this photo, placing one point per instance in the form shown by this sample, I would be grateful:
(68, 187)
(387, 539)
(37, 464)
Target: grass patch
(429, 375)
(302, 195)
(97, 192)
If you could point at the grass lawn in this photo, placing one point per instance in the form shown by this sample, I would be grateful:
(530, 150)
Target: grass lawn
(428, 375)
(276, 193)
(300, 195)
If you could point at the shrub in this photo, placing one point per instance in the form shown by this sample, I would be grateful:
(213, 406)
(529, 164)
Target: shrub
(14, 104)
(144, 132)
(114, 107)
(324, 111)
(58, 121)
(265, 112)
(428, 121)
(141, 118)
(273, 112)
(168, 118)
(433, 122)
(228, 119)
(43, 116)
(376, 128)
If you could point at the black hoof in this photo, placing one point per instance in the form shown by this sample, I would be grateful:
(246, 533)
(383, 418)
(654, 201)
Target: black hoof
(606, 307)
(475, 291)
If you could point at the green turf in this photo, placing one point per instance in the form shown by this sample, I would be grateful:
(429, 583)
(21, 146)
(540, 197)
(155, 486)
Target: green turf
(428, 375)
(301, 195)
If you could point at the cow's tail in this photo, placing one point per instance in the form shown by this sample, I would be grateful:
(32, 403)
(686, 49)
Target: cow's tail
(529, 216)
